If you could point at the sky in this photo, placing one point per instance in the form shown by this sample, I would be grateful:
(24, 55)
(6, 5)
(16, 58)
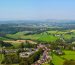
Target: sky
(37, 9)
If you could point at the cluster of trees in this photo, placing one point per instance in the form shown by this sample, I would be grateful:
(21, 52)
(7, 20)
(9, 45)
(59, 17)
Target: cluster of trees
(13, 28)
(3, 44)
(33, 58)
(59, 44)
(10, 59)
(15, 59)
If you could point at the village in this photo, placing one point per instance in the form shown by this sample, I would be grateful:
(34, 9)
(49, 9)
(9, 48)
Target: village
(27, 52)
(45, 51)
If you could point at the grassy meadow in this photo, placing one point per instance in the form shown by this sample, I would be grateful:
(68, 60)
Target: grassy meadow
(58, 60)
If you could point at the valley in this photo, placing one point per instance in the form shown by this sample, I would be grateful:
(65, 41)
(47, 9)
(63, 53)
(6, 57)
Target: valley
(37, 45)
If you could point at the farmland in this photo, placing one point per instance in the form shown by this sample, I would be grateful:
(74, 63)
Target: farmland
(56, 60)
(69, 55)
(62, 42)
(48, 36)
(39, 37)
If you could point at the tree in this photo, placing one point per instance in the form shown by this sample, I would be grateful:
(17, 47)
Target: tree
(10, 59)
(23, 62)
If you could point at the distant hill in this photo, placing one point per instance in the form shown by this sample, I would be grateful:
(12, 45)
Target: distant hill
(14, 26)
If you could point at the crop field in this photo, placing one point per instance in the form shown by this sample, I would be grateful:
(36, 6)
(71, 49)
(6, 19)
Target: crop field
(16, 44)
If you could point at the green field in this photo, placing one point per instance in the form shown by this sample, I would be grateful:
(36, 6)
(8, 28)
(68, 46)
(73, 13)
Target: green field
(45, 64)
(47, 36)
(3, 38)
(15, 36)
(15, 44)
(58, 60)
(1, 57)
(39, 37)
(67, 35)
(69, 55)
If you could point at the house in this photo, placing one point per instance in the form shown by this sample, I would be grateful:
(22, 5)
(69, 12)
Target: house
(58, 52)
(25, 54)
(28, 53)
(10, 51)
(73, 47)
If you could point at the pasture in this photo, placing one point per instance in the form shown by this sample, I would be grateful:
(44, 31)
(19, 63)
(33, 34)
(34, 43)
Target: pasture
(58, 60)
(69, 55)
(39, 37)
